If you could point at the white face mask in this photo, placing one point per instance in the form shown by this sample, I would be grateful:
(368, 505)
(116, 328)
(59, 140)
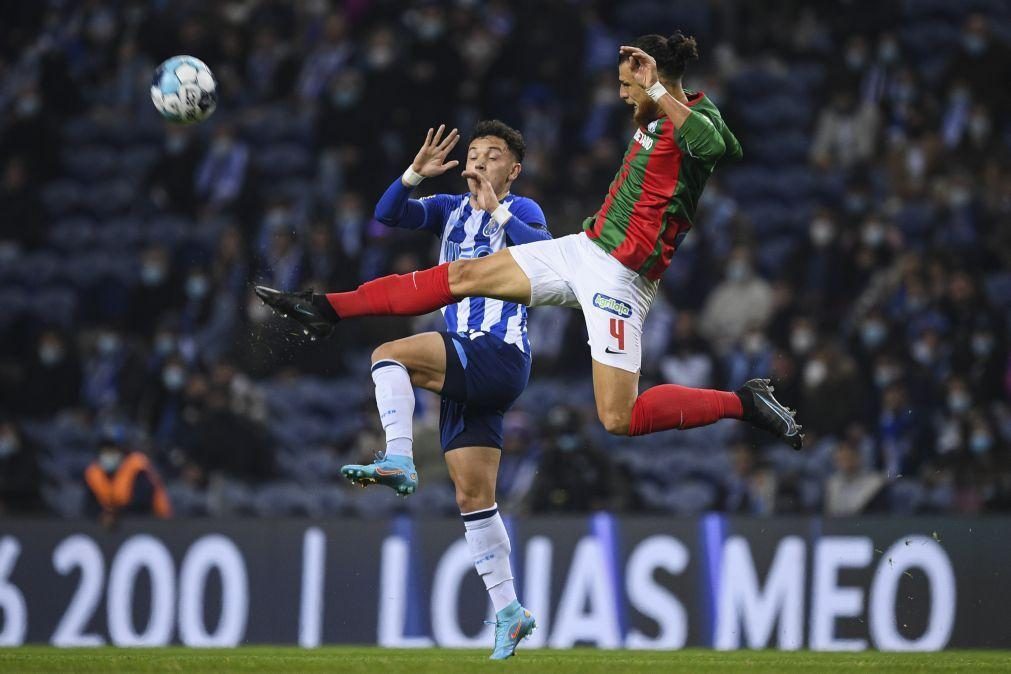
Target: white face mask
(754, 343)
(197, 287)
(173, 377)
(9, 445)
(873, 333)
(164, 344)
(802, 340)
(873, 234)
(815, 372)
(738, 271)
(822, 232)
(923, 352)
(152, 274)
(107, 343)
(885, 375)
(982, 344)
(959, 401)
(109, 460)
(50, 354)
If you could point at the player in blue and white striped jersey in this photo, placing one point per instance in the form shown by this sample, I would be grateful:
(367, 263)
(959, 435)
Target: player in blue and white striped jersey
(479, 365)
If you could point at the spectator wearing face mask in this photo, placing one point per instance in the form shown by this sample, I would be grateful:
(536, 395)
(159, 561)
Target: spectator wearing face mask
(830, 390)
(53, 379)
(222, 173)
(823, 266)
(19, 203)
(208, 315)
(574, 475)
(981, 61)
(751, 488)
(904, 441)
(20, 478)
(846, 132)
(688, 361)
(155, 294)
(852, 489)
(742, 301)
(161, 403)
(170, 183)
(113, 375)
(749, 358)
(123, 483)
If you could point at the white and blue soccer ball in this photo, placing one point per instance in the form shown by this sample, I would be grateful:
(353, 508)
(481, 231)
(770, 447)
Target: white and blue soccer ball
(184, 91)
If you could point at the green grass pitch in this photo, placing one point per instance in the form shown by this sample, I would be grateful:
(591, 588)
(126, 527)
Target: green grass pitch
(578, 661)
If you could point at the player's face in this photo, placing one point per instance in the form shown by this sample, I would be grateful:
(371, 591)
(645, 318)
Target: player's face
(644, 109)
(491, 156)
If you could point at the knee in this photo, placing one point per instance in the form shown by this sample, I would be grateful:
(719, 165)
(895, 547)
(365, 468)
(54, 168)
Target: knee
(471, 497)
(616, 422)
(387, 351)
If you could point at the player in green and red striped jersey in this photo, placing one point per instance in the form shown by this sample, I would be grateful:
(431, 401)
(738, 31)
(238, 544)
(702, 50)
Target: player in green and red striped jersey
(612, 269)
(651, 202)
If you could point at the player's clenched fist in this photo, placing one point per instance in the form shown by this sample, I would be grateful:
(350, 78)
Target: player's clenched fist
(431, 158)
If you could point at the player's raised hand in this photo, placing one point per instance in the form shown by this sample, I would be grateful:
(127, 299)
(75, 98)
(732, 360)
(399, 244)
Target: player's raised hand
(431, 158)
(643, 66)
(482, 191)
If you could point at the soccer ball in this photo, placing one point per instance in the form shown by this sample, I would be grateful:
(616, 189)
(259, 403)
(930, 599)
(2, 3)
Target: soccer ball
(184, 91)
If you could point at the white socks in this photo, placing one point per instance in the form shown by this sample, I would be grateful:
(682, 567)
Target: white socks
(395, 400)
(489, 544)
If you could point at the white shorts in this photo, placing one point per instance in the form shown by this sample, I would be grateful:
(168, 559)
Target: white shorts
(573, 271)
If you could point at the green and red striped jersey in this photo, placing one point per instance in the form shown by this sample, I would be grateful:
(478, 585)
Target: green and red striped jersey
(651, 202)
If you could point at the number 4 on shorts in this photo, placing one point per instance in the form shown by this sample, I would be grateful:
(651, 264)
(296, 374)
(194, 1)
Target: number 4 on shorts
(618, 332)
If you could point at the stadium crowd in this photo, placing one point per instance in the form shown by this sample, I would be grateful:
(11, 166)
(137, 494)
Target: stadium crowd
(860, 255)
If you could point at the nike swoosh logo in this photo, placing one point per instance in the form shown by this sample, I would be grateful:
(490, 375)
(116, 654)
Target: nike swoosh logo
(516, 630)
(302, 309)
(388, 473)
(617, 353)
(791, 425)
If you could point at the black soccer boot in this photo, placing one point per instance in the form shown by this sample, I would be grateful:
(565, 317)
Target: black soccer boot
(311, 309)
(762, 410)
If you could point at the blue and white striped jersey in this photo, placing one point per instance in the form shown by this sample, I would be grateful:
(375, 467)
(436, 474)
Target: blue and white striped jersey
(468, 233)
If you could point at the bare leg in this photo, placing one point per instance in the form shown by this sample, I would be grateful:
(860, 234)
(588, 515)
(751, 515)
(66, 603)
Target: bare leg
(614, 391)
(423, 355)
(474, 471)
(497, 276)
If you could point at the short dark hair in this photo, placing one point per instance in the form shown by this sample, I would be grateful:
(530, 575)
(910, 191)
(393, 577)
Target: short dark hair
(499, 129)
(672, 53)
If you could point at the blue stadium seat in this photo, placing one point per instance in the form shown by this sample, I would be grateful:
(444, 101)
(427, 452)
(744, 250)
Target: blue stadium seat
(109, 197)
(91, 162)
(283, 160)
(186, 500)
(285, 499)
(62, 197)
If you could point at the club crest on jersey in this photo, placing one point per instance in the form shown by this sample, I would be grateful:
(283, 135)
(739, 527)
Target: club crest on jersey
(491, 228)
(643, 139)
(611, 305)
(653, 125)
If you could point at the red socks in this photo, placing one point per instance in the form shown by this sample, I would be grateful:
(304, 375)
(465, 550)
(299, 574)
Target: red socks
(671, 406)
(397, 295)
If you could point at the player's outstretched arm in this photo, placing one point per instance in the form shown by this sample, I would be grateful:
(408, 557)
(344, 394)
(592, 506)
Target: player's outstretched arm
(518, 230)
(703, 140)
(395, 208)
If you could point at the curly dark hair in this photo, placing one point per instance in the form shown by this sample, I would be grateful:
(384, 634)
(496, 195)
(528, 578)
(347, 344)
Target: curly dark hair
(498, 129)
(672, 53)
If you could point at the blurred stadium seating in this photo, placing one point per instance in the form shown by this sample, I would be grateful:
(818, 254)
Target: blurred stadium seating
(871, 215)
